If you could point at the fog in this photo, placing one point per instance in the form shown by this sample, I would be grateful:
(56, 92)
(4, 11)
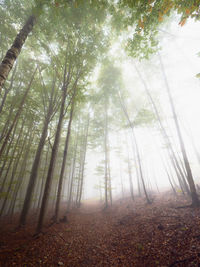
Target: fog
(179, 48)
(99, 101)
(99, 133)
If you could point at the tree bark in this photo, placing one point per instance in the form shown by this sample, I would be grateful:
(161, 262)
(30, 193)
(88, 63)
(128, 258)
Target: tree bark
(17, 114)
(21, 175)
(73, 169)
(12, 54)
(15, 166)
(43, 179)
(83, 162)
(65, 153)
(109, 176)
(12, 155)
(54, 150)
(194, 196)
(36, 163)
(106, 156)
(9, 88)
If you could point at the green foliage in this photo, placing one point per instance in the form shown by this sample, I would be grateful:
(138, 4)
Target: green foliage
(71, 35)
(143, 18)
(144, 117)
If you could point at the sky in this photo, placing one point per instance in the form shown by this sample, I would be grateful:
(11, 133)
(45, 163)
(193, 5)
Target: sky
(179, 49)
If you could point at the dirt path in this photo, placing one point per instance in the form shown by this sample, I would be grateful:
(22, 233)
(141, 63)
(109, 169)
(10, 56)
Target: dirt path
(128, 234)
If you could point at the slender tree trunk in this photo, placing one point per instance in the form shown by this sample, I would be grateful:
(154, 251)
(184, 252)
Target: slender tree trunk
(6, 157)
(172, 154)
(182, 177)
(79, 180)
(72, 174)
(57, 209)
(109, 176)
(121, 179)
(8, 90)
(12, 156)
(33, 175)
(106, 156)
(54, 150)
(51, 167)
(43, 180)
(130, 174)
(136, 147)
(190, 135)
(81, 152)
(83, 162)
(36, 162)
(21, 175)
(13, 173)
(195, 200)
(12, 54)
(100, 191)
(137, 174)
(6, 139)
(7, 122)
(73, 167)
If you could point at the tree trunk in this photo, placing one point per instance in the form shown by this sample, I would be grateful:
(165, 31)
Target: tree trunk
(195, 200)
(8, 90)
(6, 156)
(106, 156)
(64, 159)
(172, 154)
(36, 163)
(54, 150)
(51, 167)
(83, 162)
(14, 51)
(109, 176)
(43, 180)
(12, 156)
(136, 147)
(21, 175)
(129, 173)
(33, 175)
(72, 173)
(6, 139)
(13, 172)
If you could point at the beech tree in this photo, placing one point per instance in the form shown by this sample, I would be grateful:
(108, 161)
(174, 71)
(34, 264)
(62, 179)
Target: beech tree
(36, 11)
(51, 111)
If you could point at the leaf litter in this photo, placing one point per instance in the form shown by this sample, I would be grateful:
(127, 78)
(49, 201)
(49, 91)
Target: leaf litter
(126, 234)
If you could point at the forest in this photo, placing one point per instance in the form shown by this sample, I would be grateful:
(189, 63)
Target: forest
(99, 133)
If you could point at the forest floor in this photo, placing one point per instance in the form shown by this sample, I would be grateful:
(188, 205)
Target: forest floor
(127, 234)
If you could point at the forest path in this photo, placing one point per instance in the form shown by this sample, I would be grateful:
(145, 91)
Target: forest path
(128, 234)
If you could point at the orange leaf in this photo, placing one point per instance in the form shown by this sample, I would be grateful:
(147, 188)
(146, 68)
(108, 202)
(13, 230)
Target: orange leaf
(141, 24)
(187, 11)
(160, 18)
